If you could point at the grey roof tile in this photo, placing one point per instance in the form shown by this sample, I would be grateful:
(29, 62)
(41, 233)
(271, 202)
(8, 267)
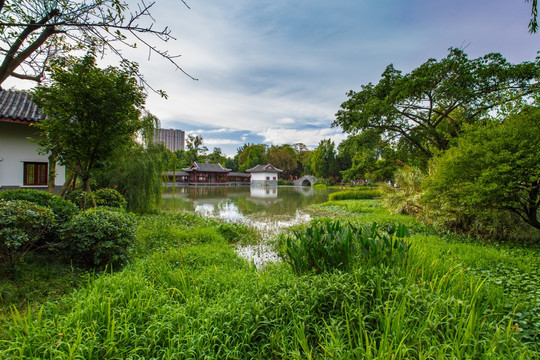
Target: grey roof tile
(17, 106)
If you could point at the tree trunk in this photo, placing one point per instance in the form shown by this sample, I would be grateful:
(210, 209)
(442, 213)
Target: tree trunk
(51, 184)
(71, 178)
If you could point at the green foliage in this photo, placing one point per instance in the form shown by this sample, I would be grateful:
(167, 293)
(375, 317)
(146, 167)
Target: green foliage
(63, 209)
(251, 155)
(426, 108)
(357, 194)
(98, 237)
(203, 301)
(90, 112)
(285, 158)
(21, 225)
(323, 160)
(110, 198)
(371, 157)
(102, 198)
(405, 197)
(136, 173)
(492, 170)
(329, 245)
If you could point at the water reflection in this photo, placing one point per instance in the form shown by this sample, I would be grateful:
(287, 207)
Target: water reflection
(269, 209)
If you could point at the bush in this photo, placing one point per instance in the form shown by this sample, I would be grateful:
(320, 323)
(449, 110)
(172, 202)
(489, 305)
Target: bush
(363, 194)
(98, 236)
(329, 245)
(110, 198)
(21, 225)
(102, 197)
(63, 209)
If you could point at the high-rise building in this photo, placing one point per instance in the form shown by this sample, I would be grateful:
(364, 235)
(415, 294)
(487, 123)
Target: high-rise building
(172, 138)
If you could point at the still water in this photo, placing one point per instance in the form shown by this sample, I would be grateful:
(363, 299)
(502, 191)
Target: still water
(270, 209)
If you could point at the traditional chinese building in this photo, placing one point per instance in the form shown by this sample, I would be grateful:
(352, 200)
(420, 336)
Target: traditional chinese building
(264, 175)
(206, 174)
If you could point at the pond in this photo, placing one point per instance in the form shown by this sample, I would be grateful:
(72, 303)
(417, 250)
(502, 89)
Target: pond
(269, 209)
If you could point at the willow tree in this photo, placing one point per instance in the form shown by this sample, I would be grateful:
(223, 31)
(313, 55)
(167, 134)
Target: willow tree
(90, 112)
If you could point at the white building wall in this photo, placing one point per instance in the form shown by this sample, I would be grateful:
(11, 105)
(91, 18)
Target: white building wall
(15, 149)
(260, 178)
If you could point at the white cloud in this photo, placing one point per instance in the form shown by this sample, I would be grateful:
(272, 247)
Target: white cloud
(309, 137)
(221, 142)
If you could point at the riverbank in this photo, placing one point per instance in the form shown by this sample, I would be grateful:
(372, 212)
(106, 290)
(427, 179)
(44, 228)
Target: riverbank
(187, 294)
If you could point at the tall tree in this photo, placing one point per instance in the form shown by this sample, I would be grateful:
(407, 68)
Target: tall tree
(90, 112)
(283, 157)
(323, 159)
(194, 148)
(33, 31)
(251, 155)
(428, 107)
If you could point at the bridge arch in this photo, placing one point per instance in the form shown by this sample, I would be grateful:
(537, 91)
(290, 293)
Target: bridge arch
(307, 180)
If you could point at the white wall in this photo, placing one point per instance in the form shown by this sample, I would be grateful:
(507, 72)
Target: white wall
(15, 149)
(260, 177)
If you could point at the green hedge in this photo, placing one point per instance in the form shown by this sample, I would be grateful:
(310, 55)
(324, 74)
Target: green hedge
(355, 195)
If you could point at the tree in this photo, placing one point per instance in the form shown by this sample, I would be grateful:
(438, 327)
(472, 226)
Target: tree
(323, 159)
(493, 169)
(371, 157)
(251, 155)
(283, 157)
(135, 171)
(428, 107)
(217, 157)
(34, 31)
(90, 112)
(195, 148)
(303, 154)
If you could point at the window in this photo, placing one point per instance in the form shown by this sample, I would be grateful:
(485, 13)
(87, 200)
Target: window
(35, 173)
(268, 178)
(274, 178)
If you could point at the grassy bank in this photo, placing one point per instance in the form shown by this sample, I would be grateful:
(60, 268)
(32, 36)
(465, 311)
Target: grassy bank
(186, 294)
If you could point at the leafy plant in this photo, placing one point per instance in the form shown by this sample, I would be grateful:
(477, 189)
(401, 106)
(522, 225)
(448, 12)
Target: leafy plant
(21, 224)
(63, 209)
(332, 245)
(99, 236)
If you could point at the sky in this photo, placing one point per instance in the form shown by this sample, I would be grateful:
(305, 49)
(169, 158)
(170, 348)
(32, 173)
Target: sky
(277, 71)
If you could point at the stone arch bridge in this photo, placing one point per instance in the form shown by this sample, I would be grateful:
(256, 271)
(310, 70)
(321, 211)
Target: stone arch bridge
(307, 180)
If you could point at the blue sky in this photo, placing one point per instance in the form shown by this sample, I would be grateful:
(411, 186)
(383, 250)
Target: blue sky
(277, 71)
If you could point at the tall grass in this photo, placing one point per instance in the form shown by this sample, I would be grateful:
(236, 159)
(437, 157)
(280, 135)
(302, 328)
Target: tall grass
(198, 299)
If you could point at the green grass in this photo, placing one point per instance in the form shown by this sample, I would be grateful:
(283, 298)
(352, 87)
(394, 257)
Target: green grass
(188, 295)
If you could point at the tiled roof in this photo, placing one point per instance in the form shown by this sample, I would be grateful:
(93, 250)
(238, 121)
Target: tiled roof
(264, 168)
(16, 106)
(206, 167)
(178, 173)
(239, 174)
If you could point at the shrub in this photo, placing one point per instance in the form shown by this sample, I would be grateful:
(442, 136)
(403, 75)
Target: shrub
(63, 209)
(364, 194)
(21, 225)
(102, 197)
(110, 198)
(329, 245)
(98, 236)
